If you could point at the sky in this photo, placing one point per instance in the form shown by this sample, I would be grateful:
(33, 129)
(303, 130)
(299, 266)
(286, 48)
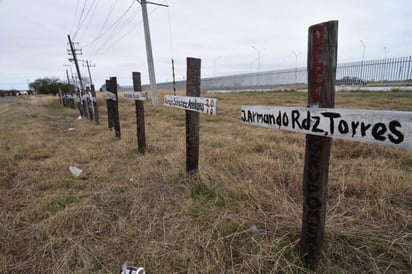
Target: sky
(230, 36)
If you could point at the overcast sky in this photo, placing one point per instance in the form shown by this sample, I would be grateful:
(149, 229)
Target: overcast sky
(33, 35)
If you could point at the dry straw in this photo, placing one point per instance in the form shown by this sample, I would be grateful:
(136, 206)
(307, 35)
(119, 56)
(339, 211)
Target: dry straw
(240, 214)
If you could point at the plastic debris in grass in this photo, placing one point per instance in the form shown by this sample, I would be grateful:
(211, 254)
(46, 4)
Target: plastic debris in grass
(129, 268)
(75, 171)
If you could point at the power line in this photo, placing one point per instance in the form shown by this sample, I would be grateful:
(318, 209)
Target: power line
(112, 6)
(111, 32)
(117, 40)
(75, 14)
(115, 26)
(111, 26)
(87, 17)
(80, 20)
(90, 17)
(114, 38)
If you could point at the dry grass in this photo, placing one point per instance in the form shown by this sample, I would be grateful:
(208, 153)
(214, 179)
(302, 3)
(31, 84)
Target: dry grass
(241, 214)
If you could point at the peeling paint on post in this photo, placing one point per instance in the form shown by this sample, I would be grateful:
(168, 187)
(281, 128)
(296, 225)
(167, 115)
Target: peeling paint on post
(192, 117)
(322, 58)
(140, 127)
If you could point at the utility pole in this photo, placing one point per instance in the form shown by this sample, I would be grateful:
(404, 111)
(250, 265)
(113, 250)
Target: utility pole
(67, 74)
(73, 52)
(73, 77)
(88, 65)
(149, 53)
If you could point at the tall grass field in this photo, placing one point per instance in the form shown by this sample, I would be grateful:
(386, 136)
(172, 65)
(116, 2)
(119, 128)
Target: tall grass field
(241, 213)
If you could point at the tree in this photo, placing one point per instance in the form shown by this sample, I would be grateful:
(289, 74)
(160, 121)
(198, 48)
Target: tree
(50, 86)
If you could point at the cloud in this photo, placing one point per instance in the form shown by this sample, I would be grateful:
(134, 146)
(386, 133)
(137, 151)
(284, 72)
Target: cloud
(33, 35)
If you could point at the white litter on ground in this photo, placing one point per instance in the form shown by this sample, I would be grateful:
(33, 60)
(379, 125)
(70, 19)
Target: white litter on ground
(75, 171)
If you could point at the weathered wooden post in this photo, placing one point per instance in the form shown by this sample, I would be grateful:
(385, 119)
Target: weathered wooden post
(61, 99)
(95, 105)
(193, 104)
(322, 58)
(79, 101)
(321, 122)
(139, 103)
(72, 101)
(84, 103)
(109, 101)
(90, 105)
(113, 81)
(192, 117)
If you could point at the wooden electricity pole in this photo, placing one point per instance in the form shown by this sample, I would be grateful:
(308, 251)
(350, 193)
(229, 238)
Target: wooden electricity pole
(73, 51)
(67, 73)
(88, 65)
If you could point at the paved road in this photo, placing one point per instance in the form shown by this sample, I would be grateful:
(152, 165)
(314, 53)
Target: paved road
(8, 99)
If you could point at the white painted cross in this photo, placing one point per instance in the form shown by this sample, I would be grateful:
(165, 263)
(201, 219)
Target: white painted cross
(198, 104)
(389, 128)
(109, 95)
(88, 96)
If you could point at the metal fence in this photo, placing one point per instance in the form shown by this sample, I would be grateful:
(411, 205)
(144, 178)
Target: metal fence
(380, 70)
(355, 73)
